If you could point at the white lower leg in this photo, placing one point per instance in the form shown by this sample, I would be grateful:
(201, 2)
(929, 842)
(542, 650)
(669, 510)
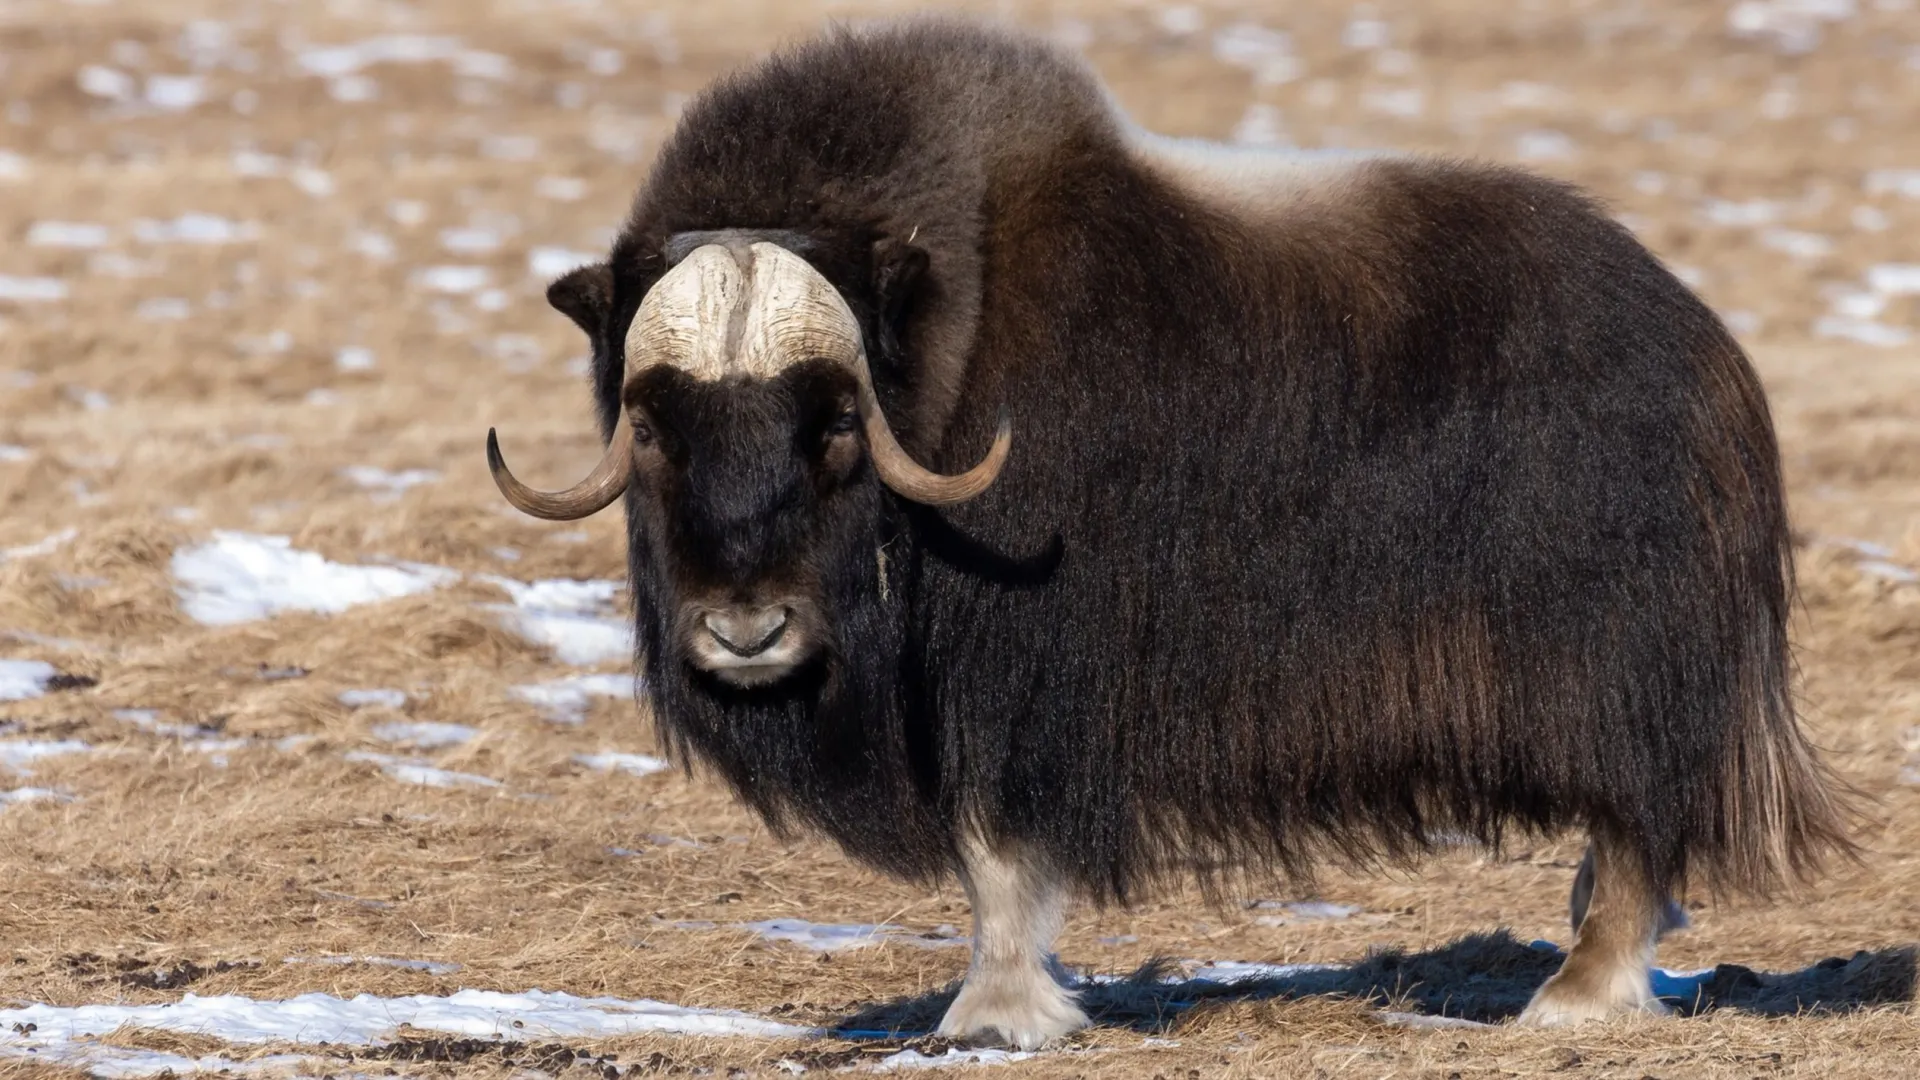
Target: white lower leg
(1619, 915)
(1014, 991)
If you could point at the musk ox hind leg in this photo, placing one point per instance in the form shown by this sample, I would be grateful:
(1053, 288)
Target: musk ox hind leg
(1015, 992)
(1608, 971)
(1672, 915)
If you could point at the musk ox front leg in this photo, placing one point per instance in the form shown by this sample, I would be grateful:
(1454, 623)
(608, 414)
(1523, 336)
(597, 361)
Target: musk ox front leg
(1015, 992)
(1607, 972)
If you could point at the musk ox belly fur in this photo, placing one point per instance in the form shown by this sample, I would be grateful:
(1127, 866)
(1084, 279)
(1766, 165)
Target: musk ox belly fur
(1352, 499)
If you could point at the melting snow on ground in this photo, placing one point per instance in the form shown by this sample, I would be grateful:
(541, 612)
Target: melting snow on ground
(10, 796)
(387, 485)
(835, 937)
(22, 679)
(29, 290)
(425, 734)
(551, 262)
(570, 617)
(564, 701)
(617, 761)
(360, 699)
(1290, 912)
(238, 577)
(431, 967)
(415, 771)
(17, 754)
(58, 1033)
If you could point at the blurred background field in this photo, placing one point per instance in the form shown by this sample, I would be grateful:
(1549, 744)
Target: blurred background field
(291, 702)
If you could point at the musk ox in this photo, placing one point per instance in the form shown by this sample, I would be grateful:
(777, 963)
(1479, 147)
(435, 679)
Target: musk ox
(1015, 493)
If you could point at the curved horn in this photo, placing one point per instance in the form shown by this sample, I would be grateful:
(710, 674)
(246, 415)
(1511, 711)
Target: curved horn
(607, 482)
(908, 477)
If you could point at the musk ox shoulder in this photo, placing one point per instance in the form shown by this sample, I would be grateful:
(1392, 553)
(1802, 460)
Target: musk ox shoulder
(1347, 501)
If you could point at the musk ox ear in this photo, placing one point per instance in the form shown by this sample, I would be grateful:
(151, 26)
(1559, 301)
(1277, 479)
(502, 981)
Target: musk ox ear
(584, 295)
(898, 267)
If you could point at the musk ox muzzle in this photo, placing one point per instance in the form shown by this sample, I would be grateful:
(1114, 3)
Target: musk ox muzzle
(753, 310)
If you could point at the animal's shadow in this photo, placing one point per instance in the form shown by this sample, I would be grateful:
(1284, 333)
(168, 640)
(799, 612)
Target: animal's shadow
(1485, 978)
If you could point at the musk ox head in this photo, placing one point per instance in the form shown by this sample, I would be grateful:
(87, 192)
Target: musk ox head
(750, 437)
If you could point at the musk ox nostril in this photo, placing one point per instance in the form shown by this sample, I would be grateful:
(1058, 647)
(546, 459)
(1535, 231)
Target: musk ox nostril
(747, 633)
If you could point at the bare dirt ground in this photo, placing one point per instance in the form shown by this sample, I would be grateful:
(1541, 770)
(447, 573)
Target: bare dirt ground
(220, 295)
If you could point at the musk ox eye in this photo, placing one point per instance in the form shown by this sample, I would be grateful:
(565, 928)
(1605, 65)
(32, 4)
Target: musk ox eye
(844, 423)
(642, 432)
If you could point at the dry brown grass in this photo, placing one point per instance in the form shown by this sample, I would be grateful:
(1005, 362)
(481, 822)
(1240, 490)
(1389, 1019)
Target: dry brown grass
(169, 858)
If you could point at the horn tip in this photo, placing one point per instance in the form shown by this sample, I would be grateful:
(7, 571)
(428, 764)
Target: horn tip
(494, 461)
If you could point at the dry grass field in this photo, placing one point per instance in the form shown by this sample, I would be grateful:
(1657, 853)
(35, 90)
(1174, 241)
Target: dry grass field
(271, 269)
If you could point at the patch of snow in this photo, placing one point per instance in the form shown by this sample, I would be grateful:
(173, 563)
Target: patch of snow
(1290, 912)
(315, 182)
(469, 240)
(1366, 34)
(475, 64)
(616, 761)
(97, 80)
(1793, 26)
(1860, 305)
(510, 147)
(1543, 146)
(835, 937)
(1266, 52)
(1749, 214)
(431, 967)
(11, 454)
(566, 616)
(17, 754)
(1902, 182)
(1406, 103)
(195, 228)
(1260, 125)
(389, 484)
(1424, 1020)
(914, 1059)
(452, 279)
(68, 234)
(23, 679)
(1895, 279)
(1869, 219)
(367, 1019)
(1233, 971)
(360, 699)
(1888, 571)
(164, 309)
(425, 734)
(410, 771)
(1799, 245)
(337, 60)
(238, 577)
(352, 89)
(175, 93)
(353, 358)
(564, 701)
(560, 188)
(32, 290)
(11, 796)
(551, 262)
(373, 245)
(12, 166)
(1864, 331)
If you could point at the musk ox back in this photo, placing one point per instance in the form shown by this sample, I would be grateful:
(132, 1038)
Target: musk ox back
(1351, 500)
